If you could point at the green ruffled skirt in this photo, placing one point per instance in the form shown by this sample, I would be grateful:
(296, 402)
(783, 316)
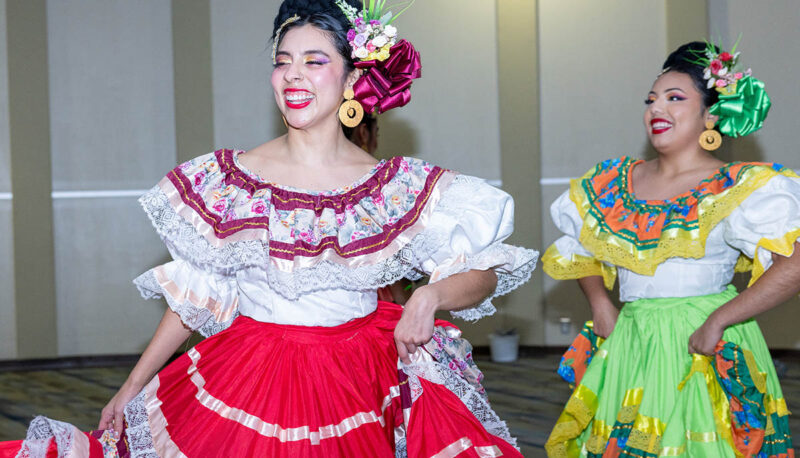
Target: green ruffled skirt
(644, 395)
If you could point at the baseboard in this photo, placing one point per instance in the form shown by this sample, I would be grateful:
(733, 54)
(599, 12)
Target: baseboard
(525, 351)
(79, 362)
(67, 362)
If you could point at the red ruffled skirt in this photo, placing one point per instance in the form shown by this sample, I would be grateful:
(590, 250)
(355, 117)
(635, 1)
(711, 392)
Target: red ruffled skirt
(267, 390)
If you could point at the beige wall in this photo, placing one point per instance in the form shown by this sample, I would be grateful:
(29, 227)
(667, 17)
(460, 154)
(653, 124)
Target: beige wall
(113, 128)
(518, 35)
(5, 177)
(595, 73)
(101, 245)
(245, 114)
(770, 45)
(8, 341)
(8, 329)
(111, 91)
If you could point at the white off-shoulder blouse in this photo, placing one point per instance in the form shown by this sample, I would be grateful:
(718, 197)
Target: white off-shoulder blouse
(284, 255)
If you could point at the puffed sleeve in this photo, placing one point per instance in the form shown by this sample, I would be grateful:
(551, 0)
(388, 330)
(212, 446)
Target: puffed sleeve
(200, 283)
(206, 302)
(566, 258)
(473, 218)
(766, 222)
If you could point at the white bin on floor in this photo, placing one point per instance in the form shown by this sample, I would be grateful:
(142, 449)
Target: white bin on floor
(504, 348)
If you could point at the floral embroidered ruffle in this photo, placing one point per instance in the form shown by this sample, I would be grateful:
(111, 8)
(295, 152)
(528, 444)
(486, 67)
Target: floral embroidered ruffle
(226, 203)
(620, 230)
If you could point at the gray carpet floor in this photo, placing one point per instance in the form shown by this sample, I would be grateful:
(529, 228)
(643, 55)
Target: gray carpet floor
(527, 394)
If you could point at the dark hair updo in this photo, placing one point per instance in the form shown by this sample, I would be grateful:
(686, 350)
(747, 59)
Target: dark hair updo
(683, 59)
(322, 14)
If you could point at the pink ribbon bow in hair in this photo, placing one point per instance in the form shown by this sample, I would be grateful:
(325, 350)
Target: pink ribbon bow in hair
(385, 84)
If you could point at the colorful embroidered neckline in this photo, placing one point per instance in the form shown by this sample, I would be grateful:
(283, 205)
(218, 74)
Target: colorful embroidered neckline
(640, 234)
(225, 204)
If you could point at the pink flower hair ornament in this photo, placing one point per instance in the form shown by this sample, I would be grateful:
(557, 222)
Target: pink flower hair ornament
(721, 68)
(389, 65)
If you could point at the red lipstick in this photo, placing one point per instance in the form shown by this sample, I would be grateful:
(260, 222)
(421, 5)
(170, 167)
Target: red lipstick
(304, 99)
(662, 125)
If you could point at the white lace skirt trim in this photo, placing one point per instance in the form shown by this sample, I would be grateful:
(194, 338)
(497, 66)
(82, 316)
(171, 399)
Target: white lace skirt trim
(140, 438)
(476, 402)
(42, 431)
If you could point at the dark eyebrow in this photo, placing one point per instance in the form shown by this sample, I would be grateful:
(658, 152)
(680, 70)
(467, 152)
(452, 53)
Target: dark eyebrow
(675, 89)
(282, 53)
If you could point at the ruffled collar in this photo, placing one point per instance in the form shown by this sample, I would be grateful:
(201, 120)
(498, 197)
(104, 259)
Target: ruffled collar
(369, 219)
(641, 234)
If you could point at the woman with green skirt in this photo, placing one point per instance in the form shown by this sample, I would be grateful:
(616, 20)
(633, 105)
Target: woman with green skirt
(682, 369)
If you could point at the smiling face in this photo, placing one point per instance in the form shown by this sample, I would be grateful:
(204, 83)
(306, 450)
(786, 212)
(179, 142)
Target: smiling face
(309, 77)
(675, 115)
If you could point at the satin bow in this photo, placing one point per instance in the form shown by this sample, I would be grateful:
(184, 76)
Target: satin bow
(385, 84)
(744, 112)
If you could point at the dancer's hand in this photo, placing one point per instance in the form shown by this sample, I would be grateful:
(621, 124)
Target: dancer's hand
(415, 327)
(705, 338)
(112, 415)
(604, 318)
(170, 334)
(604, 312)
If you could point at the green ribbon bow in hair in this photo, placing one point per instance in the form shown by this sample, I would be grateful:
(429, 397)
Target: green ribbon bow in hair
(743, 112)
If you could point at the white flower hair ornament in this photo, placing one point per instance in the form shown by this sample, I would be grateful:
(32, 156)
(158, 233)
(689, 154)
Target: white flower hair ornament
(372, 34)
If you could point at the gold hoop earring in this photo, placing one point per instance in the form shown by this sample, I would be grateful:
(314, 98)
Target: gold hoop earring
(285, 124)
(710, 139)
(350, 112)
